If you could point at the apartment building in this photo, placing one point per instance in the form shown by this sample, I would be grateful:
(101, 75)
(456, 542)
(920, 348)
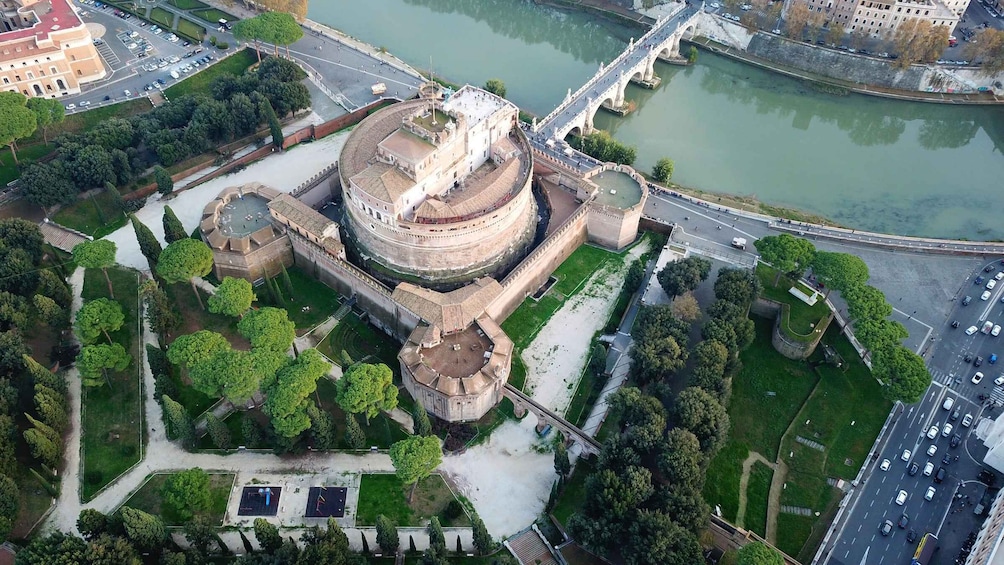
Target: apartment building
(45, 49)
(881, 17)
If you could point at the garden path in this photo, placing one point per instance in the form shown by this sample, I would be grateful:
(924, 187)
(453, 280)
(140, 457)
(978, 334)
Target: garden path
(744, 480)
(774, 499)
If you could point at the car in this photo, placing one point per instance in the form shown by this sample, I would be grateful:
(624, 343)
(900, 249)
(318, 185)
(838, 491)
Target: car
(911, 536)
(901, 498)
(996, 331)
(930, 493)
(186, 44)
(932, 433)
(885, 465)
(914, 467)
(955, 415)
(776, 31)
(988, 268)
(955, 323)
(991, 284)
(932, 450)
(161, 81)
(940, 475)
(971, 330)
(949, 402)
(968, 358)
(906, 455)
(967, 420)
(946, 431)
(999, 381)
(127, 93)
(956, 440)
(978, 280)
(928, 469)
(71, 106)
(107, 98)
(968, 299)
(886, 528)
(904, 521)
(977, 377)
(985, 295)
(157, 31)
(977, 362)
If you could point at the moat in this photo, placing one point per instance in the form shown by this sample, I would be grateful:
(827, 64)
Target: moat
(867, 163)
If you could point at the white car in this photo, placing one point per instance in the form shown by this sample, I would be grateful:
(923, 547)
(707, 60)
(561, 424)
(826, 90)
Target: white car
(977, 378)
(906, 455)
(901, 498)
(971, 330)
(967, 420)
(947, 431)
(85, 103)
(714, 5)
(71, 106)
(928, 469)
(999, 276)
(998, 382)
(949, 402)
(996, 331)
(885, 465)
(127, 93)
(991, 284)
(932, 433)
(930, 493)
(985, 295)
(932, 450)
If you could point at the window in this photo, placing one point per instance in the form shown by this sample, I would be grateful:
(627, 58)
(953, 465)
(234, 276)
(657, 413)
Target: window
(6, 80)
(53, 70)
(48, 87)
(60, 84)
(31, 75)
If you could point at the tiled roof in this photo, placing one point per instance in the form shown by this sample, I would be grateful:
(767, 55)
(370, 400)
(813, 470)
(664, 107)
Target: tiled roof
(59, 237)
(300, 214)
(451, 311)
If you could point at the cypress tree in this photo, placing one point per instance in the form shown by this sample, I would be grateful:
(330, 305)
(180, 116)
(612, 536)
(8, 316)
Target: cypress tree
(218, 431)
(423, 426)
(148, 244)
(354, 436)
(387, 537)
(411, 544)
(287, 283)
(173, 230)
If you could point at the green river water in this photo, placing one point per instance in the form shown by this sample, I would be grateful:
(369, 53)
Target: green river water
(868, 163)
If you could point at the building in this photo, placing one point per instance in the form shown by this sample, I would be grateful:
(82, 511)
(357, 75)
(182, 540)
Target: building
(438, 190)
(988, 550)
(45, 49)
(880, 18)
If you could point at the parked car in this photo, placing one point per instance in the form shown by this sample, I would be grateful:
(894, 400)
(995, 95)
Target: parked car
(71, 106)
(985, 295)
(914, 467)
(904, 521)
(928, 469)
(955, 323)
(971, 330)
(940, 475)
(977, 362)
(906, 455)
(968, 299)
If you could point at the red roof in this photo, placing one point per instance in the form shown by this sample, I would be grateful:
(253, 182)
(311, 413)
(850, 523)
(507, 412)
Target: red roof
(59, 16)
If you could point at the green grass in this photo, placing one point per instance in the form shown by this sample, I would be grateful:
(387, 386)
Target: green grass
(386, 494)
(721, 486)
(574, 494)
(757, 491)
(802, 317)
(195, 318)
(162, 17)
(148, 498)
(8, 168)
(112, 417)
(321, 301)
(586, 394)
(190, 30)
(235, 64)
(381, 431)
(97, 216)
(187, 4)
(213, 16)
(792, 531)
(362, 341)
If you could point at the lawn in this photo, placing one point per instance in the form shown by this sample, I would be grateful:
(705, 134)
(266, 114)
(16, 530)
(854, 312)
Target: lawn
(96, 216)
(112, 416)
(162, 17)
(187, 4)
(191, 30)
(574, 494)
(721, 486)
(318, 298)
(213, 16)
(792, 531)
(757, 491)
(147, 498)
(802, 317)
(586, 394)
(381, 431)
(386, 494)
(8, 168)
(362, 341)
(235, 64)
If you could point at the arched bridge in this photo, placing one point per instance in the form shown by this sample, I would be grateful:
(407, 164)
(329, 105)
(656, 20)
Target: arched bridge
(606, 87)
(524, 403)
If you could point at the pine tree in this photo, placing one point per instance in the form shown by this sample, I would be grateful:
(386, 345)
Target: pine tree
(482, 539)
(437, 541)
(180, 422)
(286, 282)
(218, 431)
(423, 426)
(173, 230)
(251, 431)
(148, 244)
(354, 436)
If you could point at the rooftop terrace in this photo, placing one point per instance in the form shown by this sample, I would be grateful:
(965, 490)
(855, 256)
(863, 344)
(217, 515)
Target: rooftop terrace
(243, 216)
(616, 189)
(460, 354)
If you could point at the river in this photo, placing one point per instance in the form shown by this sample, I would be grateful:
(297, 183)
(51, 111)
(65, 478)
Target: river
(867, 163)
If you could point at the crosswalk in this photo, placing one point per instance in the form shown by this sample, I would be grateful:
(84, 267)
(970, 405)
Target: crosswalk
(963, 386)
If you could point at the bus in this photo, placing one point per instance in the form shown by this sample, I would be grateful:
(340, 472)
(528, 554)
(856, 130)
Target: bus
(925, 550)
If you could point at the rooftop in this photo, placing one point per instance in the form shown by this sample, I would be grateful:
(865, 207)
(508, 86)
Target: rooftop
(616, 189)
(475, 104)
(297, 212)
(460, 354)
(243, 216)
(52, 15)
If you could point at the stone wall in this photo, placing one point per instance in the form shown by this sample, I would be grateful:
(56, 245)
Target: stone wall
(785, 344)
(612, 227)
(268, 259)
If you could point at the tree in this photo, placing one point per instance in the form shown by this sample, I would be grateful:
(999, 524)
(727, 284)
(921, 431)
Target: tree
(195, 348)
(683, 275)
(165, 184)
(904, 373)
(701, 413)
(111, 550)
(324, 546)
(179, 420)
(685, 307)
(51, 407)
(641, 418)
(17, 121)
(759, 553)
(9, 503)
(218, 431)
(289, 395)
(835, 36)
(437, 541)
(145, 530)
(415, 458)
(199, 533)
(282, 29)
(655, 538)
(48, 111)
(51, 285)
(496, 87)
(230, 373)
(386, 535)
(839, 270)
(91, 523)
(13, 311)
(366, 389)
(988, 49)
(274, 126)
(98, 254)
(164, 318)
(681, 460)
(268, 328)
(56, 548)
(249, 29)
(322, 427)
(184, 260)
(267, 535)
(97, 317)
(859, 36)
(42, 376)
(148, 244)
(786, 253)
(561, 464)
(877, 334)
(45, 443)
(796, 19)
(186, 493)
(354, 436)
(657, 357)
(738, 286)
(173, 229)
(482, 539)
(423, 426)
(866, 302)
(232, 298)
(663, 170)
(48, 311)
(94, 361)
